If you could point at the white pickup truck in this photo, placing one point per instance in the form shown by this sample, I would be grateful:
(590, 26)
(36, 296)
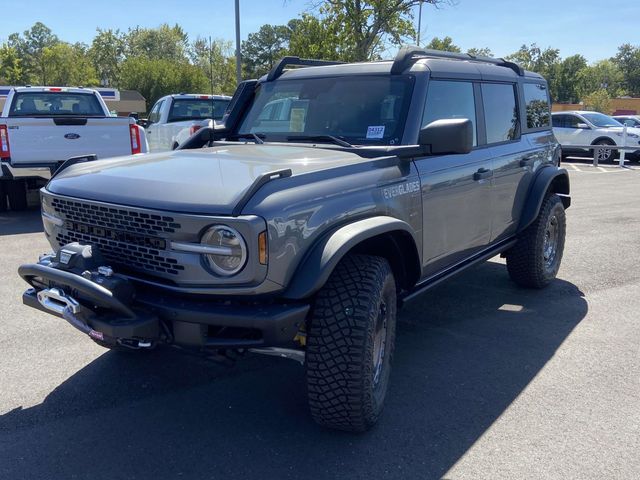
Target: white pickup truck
(41, 127)
(174, 118)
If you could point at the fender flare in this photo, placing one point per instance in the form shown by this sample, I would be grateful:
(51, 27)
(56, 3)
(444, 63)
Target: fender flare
(316, 267)
(549, 177)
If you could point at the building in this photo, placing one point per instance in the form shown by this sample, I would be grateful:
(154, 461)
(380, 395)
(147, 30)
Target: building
(619, 106)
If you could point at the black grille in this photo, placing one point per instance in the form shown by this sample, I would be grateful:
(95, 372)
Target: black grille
(126, 238)
(127, 256)
(115, 218)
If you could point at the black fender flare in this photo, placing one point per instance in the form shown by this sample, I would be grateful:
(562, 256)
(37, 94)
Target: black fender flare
(548, 178)
(316, 267)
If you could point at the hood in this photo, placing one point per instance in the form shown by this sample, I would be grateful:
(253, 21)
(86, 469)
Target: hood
(208, 180)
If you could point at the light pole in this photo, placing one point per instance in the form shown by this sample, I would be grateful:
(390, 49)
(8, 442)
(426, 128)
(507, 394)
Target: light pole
(419, 22)
(238, 54)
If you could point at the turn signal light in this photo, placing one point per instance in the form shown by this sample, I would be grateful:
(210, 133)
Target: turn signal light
(262, 248)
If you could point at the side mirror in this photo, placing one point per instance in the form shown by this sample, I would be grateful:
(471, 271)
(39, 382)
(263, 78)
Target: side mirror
(583, 126)
(143, 122)
(448, 136)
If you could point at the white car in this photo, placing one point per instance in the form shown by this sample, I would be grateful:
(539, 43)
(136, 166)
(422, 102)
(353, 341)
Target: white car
(628, 120)
(175, 118)
(41, 127)
(576, 128)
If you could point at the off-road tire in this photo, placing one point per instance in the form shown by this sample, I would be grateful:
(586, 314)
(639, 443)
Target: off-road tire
(526, 261)
(3, 196)
(341, 341)
(17, 194)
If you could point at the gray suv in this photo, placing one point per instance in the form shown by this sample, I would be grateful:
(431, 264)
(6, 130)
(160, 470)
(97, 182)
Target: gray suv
(333, 194)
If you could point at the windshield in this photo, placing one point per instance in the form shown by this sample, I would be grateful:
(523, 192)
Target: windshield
(601, 120)
(33, 104)
(367, 110)
(197, 109)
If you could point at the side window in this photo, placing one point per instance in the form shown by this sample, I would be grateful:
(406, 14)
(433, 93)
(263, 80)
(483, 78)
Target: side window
(154, 114)
(558, 121)
(571, 121)
(450, 99)
(500, 112)
(537, 103)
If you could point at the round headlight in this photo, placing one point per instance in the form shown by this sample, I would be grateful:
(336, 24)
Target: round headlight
(231, 254)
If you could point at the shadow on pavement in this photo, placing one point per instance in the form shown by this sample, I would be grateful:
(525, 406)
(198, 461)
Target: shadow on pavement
(15, 223)
(465, 351)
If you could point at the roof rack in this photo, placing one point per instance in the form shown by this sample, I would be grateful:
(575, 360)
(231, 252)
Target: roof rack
(410, 54)
(285, 62)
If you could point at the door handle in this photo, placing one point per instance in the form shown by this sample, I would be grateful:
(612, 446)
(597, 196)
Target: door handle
(483, 174)
(527, 161)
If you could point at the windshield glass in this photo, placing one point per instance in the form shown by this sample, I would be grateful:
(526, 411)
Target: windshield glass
(601, 120)
(30, 104)
(368, 110)
(197, 109)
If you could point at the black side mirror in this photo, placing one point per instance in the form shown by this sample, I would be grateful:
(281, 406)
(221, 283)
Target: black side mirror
(448, 136)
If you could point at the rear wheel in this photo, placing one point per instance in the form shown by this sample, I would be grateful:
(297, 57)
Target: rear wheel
(17, 193)
(604, 155)
(350, 343)
(534, 261)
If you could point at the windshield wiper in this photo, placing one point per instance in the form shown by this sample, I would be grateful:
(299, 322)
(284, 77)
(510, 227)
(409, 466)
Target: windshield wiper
(257, 137)
(331, 138)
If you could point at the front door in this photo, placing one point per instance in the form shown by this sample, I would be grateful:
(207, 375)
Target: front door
(456, 189)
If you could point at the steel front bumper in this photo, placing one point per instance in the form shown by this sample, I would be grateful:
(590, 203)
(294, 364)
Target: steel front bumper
(156, 317)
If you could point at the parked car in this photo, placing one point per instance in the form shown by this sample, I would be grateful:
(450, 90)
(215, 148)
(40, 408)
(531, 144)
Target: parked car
(175, 117)
(628, 120)
(301, 234)
(575, 128)
(41, 127)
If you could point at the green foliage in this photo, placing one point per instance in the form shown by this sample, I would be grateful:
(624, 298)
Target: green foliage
(216, 60)
(445, 44)
(566, 77)
(315, 37)
(154, 78)
(603, 75)
(599, 101)
(107, 54)
(10, 66)
(164, 42)
(30, 48)
(262, 49)
(68, 64)
(480, 52)
(628, 62)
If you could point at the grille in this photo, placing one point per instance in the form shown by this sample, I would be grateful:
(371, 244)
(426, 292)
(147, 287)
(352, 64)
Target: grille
(121, 235)
(115, 218)
(126, 255)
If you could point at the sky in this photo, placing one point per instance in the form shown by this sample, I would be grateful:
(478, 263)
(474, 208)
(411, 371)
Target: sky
(592, 28)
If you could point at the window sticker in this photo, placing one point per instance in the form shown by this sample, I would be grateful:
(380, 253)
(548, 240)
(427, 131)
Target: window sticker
(375, 132)
(296, 120)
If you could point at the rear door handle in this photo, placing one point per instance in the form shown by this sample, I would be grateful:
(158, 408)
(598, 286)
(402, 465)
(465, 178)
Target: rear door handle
(483, 174)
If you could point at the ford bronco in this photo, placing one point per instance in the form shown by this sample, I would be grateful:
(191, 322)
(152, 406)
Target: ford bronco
(300, 232)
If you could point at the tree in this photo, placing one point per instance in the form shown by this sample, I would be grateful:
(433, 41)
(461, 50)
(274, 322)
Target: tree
(262, 49)
(567, 75)
(215, 58)
(545, 62)
(69, 65)
(107, 54)
(162, 43)
(628, 61)
(10, 66)
(602, 75)
(445, 44)
(369, 27)
(315, 37)
(154, 78)
(599, 101)
(30, 49)
(480, 52)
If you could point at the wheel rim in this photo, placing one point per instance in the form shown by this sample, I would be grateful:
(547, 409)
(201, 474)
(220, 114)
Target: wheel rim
(604, 153)
(550, 244)
(379, 344)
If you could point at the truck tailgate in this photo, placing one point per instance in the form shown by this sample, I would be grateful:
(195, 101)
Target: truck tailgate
(44, 140)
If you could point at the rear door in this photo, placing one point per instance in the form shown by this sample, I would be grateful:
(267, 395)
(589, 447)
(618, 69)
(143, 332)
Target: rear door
(152, 126)
(570, 129)
(456, 189)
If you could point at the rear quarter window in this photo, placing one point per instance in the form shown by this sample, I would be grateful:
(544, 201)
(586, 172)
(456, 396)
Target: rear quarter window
(30, 104)
(536, 99)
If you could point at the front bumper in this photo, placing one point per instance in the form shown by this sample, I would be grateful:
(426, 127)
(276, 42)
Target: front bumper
(155, 317)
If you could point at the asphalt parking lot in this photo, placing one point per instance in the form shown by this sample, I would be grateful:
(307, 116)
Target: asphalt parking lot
(490, 381)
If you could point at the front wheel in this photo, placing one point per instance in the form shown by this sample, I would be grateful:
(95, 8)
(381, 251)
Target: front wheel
(350, 342)
(534, 260)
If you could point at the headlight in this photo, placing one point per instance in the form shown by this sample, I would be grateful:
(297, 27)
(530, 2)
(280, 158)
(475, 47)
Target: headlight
(232, 250)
